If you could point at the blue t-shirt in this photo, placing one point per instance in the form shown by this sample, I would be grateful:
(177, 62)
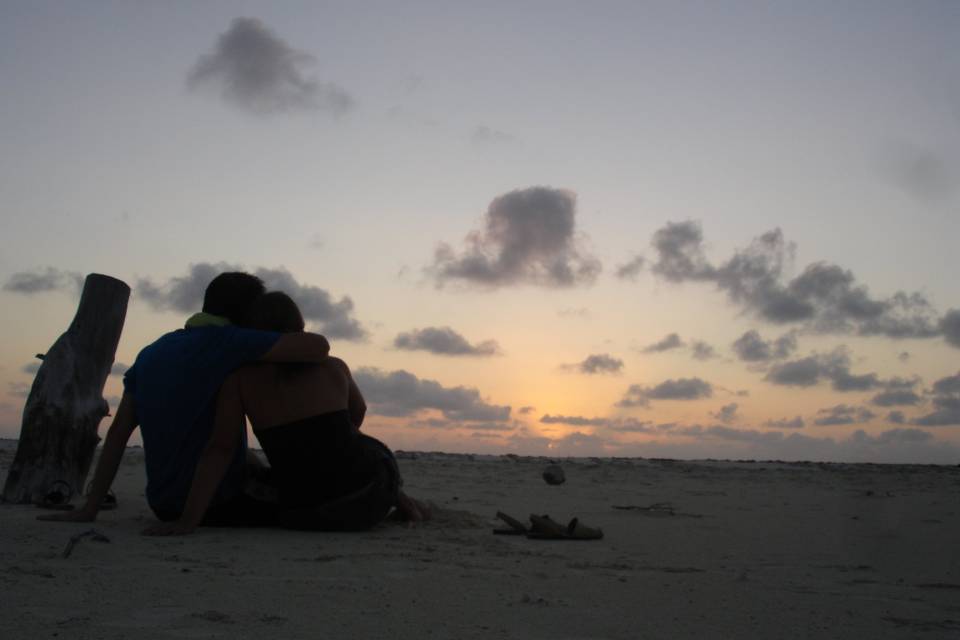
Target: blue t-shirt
(175, 382)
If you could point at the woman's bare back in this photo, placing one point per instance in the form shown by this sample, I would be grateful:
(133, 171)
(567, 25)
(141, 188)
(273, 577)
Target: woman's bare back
(276, 394)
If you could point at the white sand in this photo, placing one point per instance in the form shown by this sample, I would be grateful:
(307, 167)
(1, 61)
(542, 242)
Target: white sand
(762, 550)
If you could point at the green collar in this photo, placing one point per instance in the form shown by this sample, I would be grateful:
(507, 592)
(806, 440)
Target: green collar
(204, 319)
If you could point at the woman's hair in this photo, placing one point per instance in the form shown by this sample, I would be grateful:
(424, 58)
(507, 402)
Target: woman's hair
(274, 311)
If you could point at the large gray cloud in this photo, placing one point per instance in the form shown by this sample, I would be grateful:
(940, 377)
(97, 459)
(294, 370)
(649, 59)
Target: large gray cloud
(833, 366)
(44, 280)
(254, 69)
(529, 237)
(946, 404)
(896, 398)
(843, 414)
(679, 389)
(804, 372)
(401, 393)
(824, 297)
(443, 341)
(597, 363)
(751, 347)
(185, 294)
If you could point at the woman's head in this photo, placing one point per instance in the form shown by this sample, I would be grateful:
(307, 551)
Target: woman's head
(275, 311)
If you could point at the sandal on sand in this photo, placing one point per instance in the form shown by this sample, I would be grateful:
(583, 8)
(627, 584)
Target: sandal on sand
(546, 528)
(517, 528)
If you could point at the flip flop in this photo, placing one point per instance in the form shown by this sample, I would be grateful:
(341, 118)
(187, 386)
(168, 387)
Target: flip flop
(546, 528)
(517, 528)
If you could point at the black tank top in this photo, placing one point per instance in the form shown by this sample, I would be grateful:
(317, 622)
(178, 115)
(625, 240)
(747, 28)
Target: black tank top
(316, 459)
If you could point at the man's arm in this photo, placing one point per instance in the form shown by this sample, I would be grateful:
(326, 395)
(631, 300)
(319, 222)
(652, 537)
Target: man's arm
(124, 422)
(213, 463)
(298, 347)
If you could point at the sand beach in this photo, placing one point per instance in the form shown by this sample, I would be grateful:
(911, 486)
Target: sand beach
(702, 549)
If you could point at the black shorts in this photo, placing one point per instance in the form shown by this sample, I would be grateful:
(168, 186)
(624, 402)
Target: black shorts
(360, 509)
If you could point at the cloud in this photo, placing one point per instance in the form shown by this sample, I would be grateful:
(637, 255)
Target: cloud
(729, 433)
(784, 423)
(922, 173)
(597, 364)
(946, 404)
(896, 417)
(30, 368)
(699, 349)
(833, 366)
(576, 421)
(843, 414)
(896, 445)
(950, 326)
(630, 270)
(621, 425)
(904, 356)
(526, 410)
(679, 389)
(401, 393)
(185, 294)
(896, 398)
(529, 237)
(750, 347)
(484, 135)
(443, 341)
(626, 425)
(824, 297)
(119, 368)
(668, 342)
(44, 280)
(727, 413)
(255, 70)
(893, 436)
(574, 312)
(702, 351)
(443, 423)
(805, 372)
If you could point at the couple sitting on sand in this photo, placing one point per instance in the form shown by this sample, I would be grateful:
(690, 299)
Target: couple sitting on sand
(246, 355)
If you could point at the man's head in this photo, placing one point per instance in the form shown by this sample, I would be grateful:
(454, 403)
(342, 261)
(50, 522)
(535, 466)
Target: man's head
(231, 294)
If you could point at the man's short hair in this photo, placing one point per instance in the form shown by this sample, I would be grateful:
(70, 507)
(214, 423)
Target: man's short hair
(230, 295)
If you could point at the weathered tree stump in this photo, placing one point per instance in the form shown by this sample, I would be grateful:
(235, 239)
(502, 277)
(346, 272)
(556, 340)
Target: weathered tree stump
(58, 435)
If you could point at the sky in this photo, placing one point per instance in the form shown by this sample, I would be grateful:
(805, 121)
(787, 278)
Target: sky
(659, 229)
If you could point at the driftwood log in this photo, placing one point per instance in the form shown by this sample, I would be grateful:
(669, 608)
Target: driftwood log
(58, 434)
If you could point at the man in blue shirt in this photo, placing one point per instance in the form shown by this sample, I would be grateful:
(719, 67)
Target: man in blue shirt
(170, 393)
